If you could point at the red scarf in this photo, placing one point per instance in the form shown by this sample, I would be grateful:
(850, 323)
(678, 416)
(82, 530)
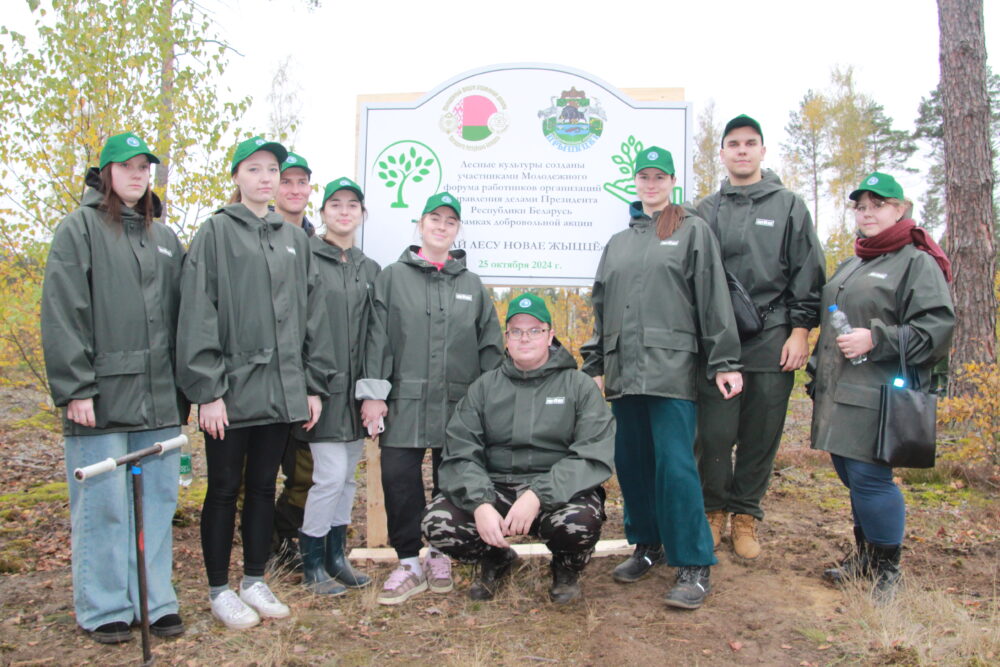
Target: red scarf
(899, 235)
(438, 265)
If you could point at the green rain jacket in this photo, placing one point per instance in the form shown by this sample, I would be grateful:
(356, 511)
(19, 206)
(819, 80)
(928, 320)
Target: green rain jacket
(348, 288)
(655, 301)
(109, 315)
(549, 428)
(768, 242)
(430, 334)
(902, 287)
(253, 329)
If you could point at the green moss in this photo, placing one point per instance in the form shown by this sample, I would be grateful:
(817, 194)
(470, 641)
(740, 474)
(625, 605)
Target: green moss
(53, 492)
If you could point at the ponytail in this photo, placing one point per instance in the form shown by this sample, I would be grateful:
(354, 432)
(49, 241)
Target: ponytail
(669, 221)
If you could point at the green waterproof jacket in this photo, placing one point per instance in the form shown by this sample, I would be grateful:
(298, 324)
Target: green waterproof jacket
(768, 242)
(549, 428)
(109, 315)
(431, 333)
(348, 285)
(902, 287)
(253, 329)
(656, 303)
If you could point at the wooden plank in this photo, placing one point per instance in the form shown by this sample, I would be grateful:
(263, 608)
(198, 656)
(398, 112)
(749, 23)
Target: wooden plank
(377, 534)
(527, 550)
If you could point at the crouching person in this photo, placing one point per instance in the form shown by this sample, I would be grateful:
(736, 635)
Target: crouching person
(526, 452)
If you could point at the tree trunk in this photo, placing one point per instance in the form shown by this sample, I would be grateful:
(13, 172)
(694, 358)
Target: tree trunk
(968, 165)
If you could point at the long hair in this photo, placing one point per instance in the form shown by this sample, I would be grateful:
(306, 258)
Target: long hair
(112, 203)
(669, 221)
(236, 197)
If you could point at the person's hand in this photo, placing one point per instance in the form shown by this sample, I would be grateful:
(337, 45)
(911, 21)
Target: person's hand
(213, 419)
(315, 410)
(795, 351)
(599, 381)
(522, 514)
(81, 411)
(855, 344)
(371, 411)
(729, 383)
(489, 525)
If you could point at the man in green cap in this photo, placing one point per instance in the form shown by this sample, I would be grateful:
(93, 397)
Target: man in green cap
(768, 242)
(526, 453)
(294, 189)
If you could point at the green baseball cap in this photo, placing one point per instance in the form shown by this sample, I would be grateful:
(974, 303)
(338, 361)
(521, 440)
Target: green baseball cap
(529, 304)
(124, 147)
(444, 199)
(247, 148)
(742, 120)
(654, 156)
(881, 184)
(342, 183)
(295, 160)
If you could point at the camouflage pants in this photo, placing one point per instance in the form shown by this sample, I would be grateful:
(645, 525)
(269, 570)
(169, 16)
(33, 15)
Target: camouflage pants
(570, 532)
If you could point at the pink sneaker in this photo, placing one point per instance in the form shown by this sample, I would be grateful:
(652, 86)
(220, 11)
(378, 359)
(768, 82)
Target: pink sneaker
(437, 568)
(402, 584)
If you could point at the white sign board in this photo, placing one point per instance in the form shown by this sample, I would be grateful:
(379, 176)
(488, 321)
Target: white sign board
(540, 157)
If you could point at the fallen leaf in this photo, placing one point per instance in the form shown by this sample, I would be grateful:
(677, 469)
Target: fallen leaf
(822, 647)
(786, 646)
(432, 610)
(736, 646)
(299, 648)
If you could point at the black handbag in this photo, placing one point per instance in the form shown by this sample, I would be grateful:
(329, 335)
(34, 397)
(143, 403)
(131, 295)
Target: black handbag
(907, 425)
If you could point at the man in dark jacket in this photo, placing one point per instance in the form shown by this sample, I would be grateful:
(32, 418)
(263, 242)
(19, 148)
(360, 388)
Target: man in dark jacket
(768, 242)
(526, 453)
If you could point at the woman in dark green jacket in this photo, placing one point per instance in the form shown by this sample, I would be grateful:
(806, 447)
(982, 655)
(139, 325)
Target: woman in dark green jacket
(660, 294)
(898, 278)
(433, 330)
(109, 313)
(254, 352)
(337, 441)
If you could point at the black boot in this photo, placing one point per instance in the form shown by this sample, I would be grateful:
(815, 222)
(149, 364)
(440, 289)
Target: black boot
(285, 555)
(493, 569)
(857, 564)
(565, 583)
(638, 564)
(885, 569)
(336, 560)
(314, 575)
(693, 585)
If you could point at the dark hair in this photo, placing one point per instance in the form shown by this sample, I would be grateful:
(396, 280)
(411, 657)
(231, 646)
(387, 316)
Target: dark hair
(669, 221)
(112, 203)
(364, 210)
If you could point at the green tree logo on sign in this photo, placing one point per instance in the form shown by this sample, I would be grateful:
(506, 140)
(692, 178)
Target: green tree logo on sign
(624, 188)
(405, 162)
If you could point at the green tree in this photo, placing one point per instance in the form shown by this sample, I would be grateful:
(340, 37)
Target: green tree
(848, 132)
(888, 149)
(805, 152)
(707, 141)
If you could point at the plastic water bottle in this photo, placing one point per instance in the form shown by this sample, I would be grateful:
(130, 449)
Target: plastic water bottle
(186, 476)
(840, 323)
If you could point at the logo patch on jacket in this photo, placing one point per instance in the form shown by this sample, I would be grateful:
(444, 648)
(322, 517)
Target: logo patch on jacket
(880, 276)
(463, 297)
(670, 242)
(164, 251)
(764, 222)
(290, 249)
(555, 400)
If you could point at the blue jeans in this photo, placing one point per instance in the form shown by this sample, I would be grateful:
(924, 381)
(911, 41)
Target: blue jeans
(105, 583)
(876, 502)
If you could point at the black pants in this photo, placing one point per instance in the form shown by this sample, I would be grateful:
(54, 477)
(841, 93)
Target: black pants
(403, 485)
(251, 454)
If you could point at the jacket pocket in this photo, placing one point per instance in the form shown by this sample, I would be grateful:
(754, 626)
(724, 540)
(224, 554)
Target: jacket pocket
(669, 339)
(122, 389)
(457, 391)
(250, 394)
(858, 395)
(408, 389)
(404, 425)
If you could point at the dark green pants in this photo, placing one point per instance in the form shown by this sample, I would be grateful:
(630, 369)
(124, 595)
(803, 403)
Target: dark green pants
(654, 461)
(752, 423)
(297, 464)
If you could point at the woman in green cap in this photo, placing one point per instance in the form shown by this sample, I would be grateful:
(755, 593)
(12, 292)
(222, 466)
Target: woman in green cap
(433, 330)
(109, 312)
(659, 297)
(347, 277)
(254, 352)
(897, 283)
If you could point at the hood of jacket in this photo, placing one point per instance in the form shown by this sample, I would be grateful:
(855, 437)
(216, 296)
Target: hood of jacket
(333, 252)
(559, 358)
(241, 214)
(454, 266)
(767, 185)
(92, 197)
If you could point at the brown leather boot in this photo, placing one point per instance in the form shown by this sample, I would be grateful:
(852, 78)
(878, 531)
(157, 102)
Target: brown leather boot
(744, 536)
(717, 522)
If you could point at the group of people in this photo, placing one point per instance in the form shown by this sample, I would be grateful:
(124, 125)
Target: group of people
(294, 346)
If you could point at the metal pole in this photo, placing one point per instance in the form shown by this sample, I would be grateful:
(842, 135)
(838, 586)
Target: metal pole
(140, 560)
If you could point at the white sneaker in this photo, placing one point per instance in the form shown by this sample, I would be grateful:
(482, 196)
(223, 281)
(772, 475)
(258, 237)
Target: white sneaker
(235, 615)
(260, 597)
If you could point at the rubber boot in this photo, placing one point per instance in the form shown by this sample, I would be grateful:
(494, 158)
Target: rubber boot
(885, 569)
(565, 583)
(336, 561)
(857, 564)
(493, 569)
(314, 575)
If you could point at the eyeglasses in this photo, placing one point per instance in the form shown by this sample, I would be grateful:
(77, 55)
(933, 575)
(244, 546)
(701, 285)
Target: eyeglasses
(532, 334)
(875, 205)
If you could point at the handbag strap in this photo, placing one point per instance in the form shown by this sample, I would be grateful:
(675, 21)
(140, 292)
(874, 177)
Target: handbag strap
(905, 371)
